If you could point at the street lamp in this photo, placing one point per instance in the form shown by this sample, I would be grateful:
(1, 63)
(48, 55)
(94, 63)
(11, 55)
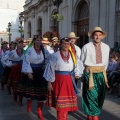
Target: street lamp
(21, 19)
(9, 28)
(57, 4)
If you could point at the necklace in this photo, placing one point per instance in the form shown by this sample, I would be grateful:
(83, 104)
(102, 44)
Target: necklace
(37, 50)
(65, 57)
(19, 52)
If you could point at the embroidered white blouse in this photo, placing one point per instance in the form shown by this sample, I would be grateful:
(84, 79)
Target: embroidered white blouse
(56, 63)
(88, 55)
(31, 57)
(4, 58)
(11, 56)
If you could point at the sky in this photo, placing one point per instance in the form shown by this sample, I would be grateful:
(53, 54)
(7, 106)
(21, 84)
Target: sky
(9, 12)
(12, 4)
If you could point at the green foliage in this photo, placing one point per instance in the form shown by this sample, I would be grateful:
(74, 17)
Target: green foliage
(58, 17)
(21, 31)
(9, 34)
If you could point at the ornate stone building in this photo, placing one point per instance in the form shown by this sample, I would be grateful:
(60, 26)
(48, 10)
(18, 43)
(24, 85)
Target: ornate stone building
(80, 16)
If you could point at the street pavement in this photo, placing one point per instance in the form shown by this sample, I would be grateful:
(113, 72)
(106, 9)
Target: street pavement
(9, 110)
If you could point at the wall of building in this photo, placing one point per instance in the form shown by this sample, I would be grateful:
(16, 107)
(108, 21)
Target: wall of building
(101, 13)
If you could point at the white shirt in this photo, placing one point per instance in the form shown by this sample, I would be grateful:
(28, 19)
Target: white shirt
(78, 51)
(88, 55)
(50, 49)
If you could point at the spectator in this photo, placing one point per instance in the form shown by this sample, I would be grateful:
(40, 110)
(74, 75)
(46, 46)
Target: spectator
(114, 77)
(112, 66)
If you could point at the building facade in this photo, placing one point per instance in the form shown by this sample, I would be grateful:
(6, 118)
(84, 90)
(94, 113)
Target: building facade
(80, 16)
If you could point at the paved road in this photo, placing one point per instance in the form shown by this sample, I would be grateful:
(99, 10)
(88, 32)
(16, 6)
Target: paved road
(9, 110)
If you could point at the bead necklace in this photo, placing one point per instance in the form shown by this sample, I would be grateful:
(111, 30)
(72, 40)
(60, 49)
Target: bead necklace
(65, 57)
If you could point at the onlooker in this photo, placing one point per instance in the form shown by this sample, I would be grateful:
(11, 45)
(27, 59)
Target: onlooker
(114, 77)
(113, 64)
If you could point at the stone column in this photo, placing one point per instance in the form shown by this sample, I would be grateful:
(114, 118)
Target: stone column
(110, 22)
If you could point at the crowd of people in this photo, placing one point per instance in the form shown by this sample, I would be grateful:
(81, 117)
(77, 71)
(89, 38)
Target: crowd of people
(49, 72)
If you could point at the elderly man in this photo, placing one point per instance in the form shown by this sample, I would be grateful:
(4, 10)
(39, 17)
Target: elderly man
(95, 57)
(75, 49)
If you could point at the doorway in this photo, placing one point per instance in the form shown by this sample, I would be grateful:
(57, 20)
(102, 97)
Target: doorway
(82, 23)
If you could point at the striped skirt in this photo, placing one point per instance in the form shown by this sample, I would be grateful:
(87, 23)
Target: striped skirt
(15, 76)
(35, 89)
(63, 97)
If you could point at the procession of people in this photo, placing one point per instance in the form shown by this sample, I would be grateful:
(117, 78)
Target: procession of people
(48, 73)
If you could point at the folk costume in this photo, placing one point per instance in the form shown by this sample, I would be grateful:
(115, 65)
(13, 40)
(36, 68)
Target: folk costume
(16, 57)
(7, 62)
(7, 69)
(95, 59)
(35, 89)
(74, 48)
(60, 71)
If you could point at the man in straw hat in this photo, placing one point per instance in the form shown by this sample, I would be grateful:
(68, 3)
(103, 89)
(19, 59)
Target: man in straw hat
(55, 44)
(74, 48)
(95, 57)
(46, 43)
(73, 38)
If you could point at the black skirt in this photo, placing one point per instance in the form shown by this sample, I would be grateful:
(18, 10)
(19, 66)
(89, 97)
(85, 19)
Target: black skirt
(35, 89)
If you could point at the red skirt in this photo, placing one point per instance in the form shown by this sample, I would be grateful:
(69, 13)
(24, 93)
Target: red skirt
(15, 76)
(63, 97)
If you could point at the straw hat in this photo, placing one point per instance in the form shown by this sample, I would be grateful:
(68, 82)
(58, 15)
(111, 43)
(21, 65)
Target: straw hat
(97, 29)
(18, 40)
(45, 40)
(72, 35)
(55, 39)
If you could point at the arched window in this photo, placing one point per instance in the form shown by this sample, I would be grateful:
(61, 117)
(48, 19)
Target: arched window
(40, 26)
(84, 12)
(29, 30)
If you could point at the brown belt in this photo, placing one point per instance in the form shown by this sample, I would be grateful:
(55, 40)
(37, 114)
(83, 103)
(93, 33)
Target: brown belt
(95, 69)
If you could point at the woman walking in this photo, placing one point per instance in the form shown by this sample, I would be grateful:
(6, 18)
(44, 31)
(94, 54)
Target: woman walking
(60, 73)
(33, 86)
